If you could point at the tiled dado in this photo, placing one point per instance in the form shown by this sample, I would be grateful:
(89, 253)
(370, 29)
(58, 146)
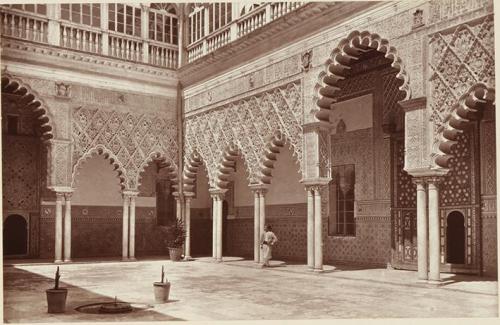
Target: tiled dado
(274, 211)
(370, 246)
(97, 231)
(489, 244)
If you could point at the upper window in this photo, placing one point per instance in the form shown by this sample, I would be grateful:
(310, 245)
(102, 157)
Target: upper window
(196, 23)
(341, 220)
(85, 13)
(124, 19)
(163, 23)
(35, 8)
(219, 15)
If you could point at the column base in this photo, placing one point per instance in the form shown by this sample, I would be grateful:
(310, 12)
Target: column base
(319, 270)
(125, 259)
(188, 258)
(422, 281)
(434, 283)
(132, 259)
(219, 260)
(58, 261)
(68, 260)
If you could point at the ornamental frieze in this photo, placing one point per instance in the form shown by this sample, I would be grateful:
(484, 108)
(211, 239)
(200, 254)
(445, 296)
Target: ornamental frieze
(237, 86)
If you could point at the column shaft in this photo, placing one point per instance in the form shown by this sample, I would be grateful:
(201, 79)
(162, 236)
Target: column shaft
(422, 231)
(256, 228)
(318, 238)
(59, 228)
(310, 229)
(125, 228)
(131, 241)
(262, 218)
(434, 237)
(219, 229)
(214, 227)
(67, 229)
(187, 225)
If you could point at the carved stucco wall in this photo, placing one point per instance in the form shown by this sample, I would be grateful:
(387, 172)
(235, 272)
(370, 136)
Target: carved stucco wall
(458, 60)
(249, 125)
(132, 140)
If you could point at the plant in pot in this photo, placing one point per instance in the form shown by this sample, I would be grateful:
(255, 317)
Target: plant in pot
(56, 297)
(174, 239)
(162, 289)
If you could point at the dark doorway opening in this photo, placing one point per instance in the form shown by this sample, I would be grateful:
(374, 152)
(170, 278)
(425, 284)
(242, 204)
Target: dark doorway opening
(15, 235)
(455, 238)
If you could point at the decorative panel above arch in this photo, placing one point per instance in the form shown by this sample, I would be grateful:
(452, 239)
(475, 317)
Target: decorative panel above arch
(132, 139)
(248, 125)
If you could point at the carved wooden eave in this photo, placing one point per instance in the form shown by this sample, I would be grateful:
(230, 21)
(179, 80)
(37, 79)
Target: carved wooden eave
(290, 28)
(89, 67)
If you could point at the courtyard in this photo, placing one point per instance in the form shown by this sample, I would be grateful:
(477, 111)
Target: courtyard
(239, 290)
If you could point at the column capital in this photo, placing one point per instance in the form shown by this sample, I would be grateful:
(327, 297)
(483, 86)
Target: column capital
(217, 193)
(68, 195)
(259, 188)
(188, 195)
(419, 181)
(59, 196)
(129, 194)
(434, 180)
(315, 184)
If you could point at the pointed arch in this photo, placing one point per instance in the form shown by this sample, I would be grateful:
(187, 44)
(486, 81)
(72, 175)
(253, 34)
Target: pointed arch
(349, 50)
(108, 154)
(30, 100)
(469, 108)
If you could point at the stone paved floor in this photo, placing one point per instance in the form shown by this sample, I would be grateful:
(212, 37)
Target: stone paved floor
(238, 290)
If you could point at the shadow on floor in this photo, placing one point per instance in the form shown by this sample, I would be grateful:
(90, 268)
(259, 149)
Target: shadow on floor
(24, 301)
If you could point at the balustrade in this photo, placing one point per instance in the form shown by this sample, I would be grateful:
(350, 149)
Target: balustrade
(219, 39)
(24, 26)
(82, 39)
(279, 9)
(164, 56)
(253, 20)
(125, 47)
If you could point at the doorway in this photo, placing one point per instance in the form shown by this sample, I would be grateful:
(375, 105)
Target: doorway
(15, 235)
(455, 238)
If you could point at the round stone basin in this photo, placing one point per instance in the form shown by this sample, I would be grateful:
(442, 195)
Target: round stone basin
(115, 308)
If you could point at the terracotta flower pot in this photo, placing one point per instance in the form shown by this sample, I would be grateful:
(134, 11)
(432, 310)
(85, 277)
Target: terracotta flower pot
(56, 300)
(162, 290)
(175, 253)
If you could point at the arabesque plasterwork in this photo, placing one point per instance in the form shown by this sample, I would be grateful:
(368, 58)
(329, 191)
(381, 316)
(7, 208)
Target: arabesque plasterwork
(458, 60)
(248, 125)
(131, 140)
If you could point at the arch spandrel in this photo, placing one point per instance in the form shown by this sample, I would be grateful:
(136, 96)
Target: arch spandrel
(247, 124)
(461, 82)
(131, 139)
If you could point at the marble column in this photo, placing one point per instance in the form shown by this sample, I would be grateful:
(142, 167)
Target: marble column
(318, 238)
(59, 228)
(125, 227)
(131, 240)
(187, 225)
(219, 228)
(214, 226)
(310, 228)
(262, 217)
(434, 233)
(422, 226)
(67, 227)
(256, 228)
(178, 207)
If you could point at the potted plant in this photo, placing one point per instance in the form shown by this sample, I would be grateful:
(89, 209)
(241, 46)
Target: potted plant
(56, 297)
(174, 239)
(162, 289)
